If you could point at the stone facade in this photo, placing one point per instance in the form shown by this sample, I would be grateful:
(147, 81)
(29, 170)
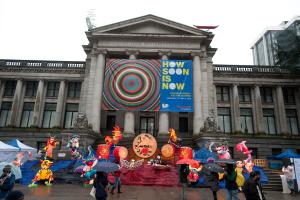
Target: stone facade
(64, 89)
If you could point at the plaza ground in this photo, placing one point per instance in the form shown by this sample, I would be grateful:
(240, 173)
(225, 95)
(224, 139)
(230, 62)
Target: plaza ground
(77, 192)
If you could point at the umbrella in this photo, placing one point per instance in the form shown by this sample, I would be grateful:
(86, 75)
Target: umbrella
(225, 161)
(14, 169)
(187, 162)
(106, 167)
(213, 167)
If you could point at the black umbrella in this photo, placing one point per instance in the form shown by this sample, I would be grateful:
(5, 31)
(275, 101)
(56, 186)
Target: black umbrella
(225, 161)
(106, 167)
(213, 167)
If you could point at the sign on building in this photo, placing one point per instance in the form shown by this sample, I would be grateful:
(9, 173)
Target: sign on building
(148, 85)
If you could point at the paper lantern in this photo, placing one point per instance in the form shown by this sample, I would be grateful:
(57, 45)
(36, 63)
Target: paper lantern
(144, 145)
(185, 153)
(167, 150)
(120, 152)
(103, 151)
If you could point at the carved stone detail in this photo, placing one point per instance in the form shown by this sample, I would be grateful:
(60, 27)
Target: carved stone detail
(81, 121)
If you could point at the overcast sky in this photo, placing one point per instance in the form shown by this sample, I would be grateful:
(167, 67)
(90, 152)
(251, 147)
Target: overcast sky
(55, 29)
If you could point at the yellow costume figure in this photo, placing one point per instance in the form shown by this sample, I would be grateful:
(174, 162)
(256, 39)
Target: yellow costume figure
(240, 180)
(44, 174)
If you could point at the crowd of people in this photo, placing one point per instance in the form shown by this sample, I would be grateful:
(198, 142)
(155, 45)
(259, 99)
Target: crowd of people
(252, 188)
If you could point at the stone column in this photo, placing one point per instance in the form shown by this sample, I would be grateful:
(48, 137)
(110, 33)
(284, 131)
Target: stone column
(39, 100)
(60, 103)
(281, 110)
(98, 87)
(163, 124)
(197, 118)
(258, 110)
(297, 96)
(1, 91)
(236, 109)
(16, 103)
(129, 115)
(204, 87)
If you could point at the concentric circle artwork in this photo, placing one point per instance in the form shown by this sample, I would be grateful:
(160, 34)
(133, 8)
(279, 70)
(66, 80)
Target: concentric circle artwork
(131, 85)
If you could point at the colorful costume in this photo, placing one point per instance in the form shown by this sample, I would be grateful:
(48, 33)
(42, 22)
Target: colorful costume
(173, 139)
(223, 152)
(73, 145)
(240, 180)
(51, 144)
(44, 174)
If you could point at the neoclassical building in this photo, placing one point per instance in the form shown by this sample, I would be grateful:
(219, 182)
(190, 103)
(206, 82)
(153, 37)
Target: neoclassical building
(260, 104)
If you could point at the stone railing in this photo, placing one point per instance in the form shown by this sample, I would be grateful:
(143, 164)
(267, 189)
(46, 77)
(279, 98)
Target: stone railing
(41, 64)
(249, 69)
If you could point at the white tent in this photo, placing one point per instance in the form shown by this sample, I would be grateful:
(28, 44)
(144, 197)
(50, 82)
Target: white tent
(7, 153)
(23, 148)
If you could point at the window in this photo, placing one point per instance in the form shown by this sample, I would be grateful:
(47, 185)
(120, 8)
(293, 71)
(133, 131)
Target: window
(289, 95)
(71, 114)
(269, 121)
(292, 121)
(110, 122)
(245, 94)
(276, 151)
(5, 113)
(52, 89)
(27, 114)
(74, 89)
(261, 53)
(224, 120)
(246, 120)
(10, 87)
(49, 115)
(147, 125)
(222, 93)
(31, 88)
(183, 124)
(266, 95)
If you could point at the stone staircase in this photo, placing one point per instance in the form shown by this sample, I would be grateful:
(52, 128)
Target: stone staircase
(274, 183)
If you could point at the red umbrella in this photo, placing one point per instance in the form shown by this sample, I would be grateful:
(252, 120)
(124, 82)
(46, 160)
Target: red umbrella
(187, 162)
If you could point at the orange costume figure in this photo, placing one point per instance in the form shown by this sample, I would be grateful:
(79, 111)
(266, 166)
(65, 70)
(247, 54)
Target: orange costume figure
(117, 135)
(173, 139)
(51, 144)
(44, 174)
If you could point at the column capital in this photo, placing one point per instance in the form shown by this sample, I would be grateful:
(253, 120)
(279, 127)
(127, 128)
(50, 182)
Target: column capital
(235, 84)
(201, 54)
(164, 53)
(97, 51)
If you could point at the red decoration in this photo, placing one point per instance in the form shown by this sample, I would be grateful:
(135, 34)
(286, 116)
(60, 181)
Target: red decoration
(168, 150)
(120, 152)
(185, 153)
(103, 151)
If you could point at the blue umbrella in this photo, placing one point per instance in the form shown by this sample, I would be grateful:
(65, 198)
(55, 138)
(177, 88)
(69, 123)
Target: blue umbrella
(106, 167)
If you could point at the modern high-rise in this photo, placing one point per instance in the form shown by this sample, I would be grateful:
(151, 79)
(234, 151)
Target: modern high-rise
(285, 38)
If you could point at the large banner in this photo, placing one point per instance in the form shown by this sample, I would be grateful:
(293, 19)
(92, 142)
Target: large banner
(176, 86)
(148, 85)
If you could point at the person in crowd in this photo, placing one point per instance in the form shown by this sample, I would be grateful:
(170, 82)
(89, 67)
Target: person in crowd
(15, 195)
(230, 181)
(117, 183)
(7, 181)
(183, 173)
(252, 188)
(100, 185)
(214, 184)
(288, 171)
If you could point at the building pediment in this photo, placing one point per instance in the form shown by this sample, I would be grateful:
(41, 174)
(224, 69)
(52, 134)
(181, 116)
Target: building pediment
(149, 24)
